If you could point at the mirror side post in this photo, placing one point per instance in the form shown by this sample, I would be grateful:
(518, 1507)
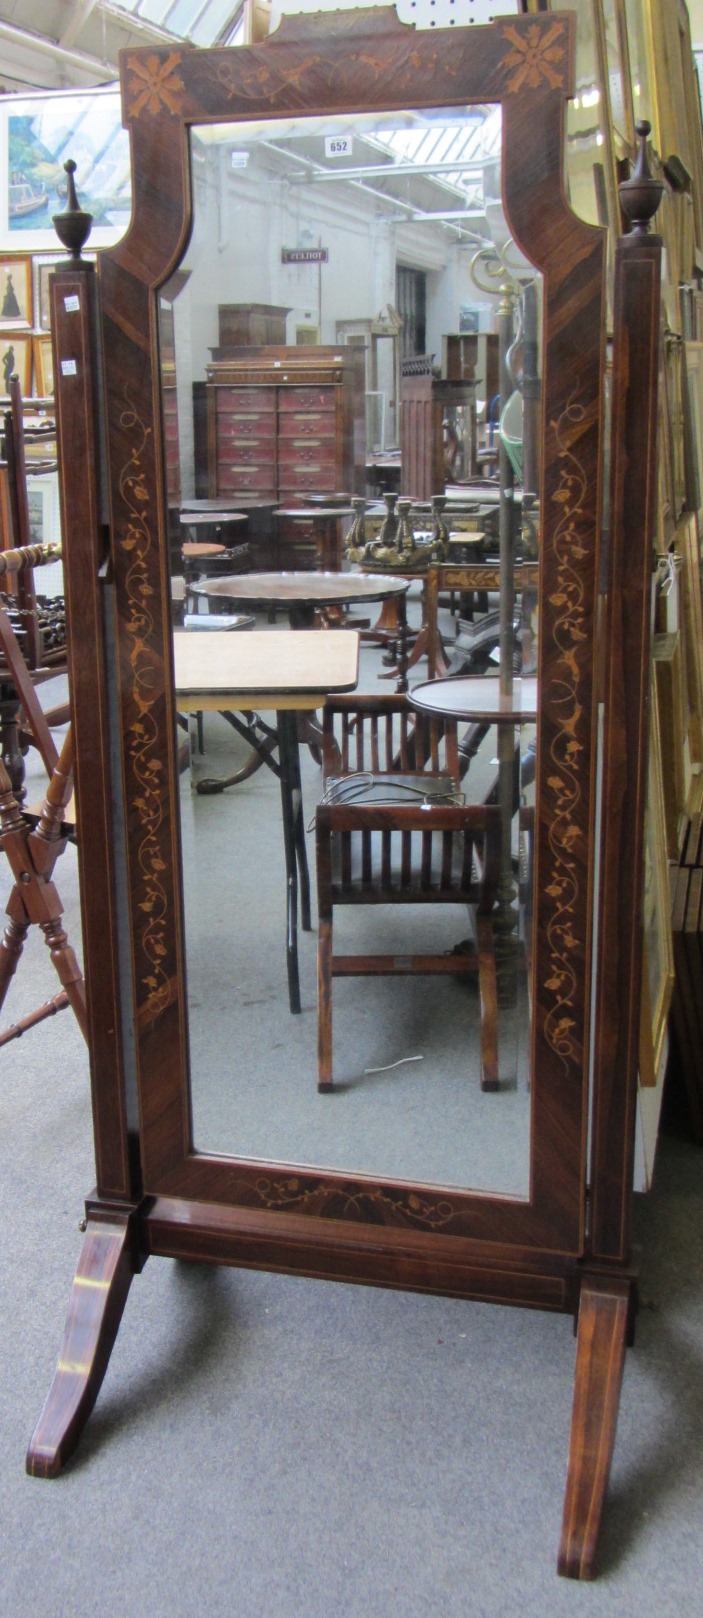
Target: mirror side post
(608, 1291)
(109, 1256)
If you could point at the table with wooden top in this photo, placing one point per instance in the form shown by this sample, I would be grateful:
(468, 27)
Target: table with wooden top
(479, 698)
(301, 593)
(287, 674)
(323, 522)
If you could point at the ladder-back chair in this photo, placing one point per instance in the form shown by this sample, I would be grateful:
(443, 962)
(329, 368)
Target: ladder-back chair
(392, 829)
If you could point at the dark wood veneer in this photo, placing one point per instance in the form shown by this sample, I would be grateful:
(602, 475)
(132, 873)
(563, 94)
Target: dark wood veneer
(174, 1200)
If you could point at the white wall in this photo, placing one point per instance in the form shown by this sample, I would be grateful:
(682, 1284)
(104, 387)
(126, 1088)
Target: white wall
(243, 217)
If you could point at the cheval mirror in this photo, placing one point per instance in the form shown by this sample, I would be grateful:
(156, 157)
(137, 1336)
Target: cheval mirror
(518, 1195)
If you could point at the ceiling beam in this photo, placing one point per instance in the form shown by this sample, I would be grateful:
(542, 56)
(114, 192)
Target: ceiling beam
(384, 171)
(29, 44)
(80, 15)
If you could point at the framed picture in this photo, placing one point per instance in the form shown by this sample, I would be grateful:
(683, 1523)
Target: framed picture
(42, 268)
(692, 98)
(45, 518)
(672, 712)
(658, 950)
(665, 453)
(37, 134)
(693, 425)
(15, 360)
(639, 42)
(668, 82)
(15, 291)
(616, 75)
(675, 387)
(687, 547)
(43, 366)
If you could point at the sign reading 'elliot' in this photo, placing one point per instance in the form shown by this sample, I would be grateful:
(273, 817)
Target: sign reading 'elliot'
(304, 255)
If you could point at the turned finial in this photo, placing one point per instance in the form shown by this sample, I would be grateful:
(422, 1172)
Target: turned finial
(641, 194)
(73, 225)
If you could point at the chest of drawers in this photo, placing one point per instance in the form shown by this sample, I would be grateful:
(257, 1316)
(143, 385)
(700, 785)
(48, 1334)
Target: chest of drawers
(284, 424)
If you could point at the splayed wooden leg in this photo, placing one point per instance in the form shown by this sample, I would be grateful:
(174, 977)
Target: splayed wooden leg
(604, 1311)
(98, 1296)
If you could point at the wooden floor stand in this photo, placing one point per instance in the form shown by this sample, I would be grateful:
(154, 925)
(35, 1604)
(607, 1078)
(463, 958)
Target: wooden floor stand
(604, 1315)
(32, 852)
(98, 1296)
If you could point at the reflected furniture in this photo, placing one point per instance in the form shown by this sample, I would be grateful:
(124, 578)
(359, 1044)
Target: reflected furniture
(169, 395)
(479, 697)
(564, 1245)
(245, 324)
(382, 476)
(475, 579)
(207, 527)
(209, 545)
(289, 674)
(283, 423)
(301, 595)
(437, 430)
(310, 535)
(381, 370)
(259, 533)
(392, 830)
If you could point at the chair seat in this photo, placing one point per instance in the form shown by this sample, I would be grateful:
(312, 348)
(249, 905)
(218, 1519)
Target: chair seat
(425, 852)
(378, 787)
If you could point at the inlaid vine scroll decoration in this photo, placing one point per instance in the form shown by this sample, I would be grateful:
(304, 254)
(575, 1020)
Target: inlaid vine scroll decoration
(143, 731)
(565, 968)
(380, 1205)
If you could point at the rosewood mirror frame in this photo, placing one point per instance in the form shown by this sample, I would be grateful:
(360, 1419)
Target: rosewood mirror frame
(566, 1247)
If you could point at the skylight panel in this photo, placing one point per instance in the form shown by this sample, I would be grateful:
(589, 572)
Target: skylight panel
(204, 22)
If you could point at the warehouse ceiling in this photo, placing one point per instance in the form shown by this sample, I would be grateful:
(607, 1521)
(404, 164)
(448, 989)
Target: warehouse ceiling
(55, 44)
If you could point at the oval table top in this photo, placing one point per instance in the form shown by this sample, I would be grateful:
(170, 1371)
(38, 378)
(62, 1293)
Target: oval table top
(200, 550)
(467, 696)
(303, 589)
(212, 519)
(309, 513)
(221, 503)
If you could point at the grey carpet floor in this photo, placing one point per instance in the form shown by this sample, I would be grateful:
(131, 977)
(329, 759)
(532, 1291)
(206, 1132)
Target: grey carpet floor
(266, 1445)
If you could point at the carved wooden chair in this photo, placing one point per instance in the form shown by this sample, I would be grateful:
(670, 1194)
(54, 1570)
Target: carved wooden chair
(393, 829)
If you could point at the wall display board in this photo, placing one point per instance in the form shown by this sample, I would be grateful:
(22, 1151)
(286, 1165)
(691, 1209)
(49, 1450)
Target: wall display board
(287, 1190)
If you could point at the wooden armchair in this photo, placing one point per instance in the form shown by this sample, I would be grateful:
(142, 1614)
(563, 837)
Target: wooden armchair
(392, 829)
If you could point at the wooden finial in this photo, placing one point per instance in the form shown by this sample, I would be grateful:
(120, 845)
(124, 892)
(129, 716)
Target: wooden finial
(72, 225)
(641, 194)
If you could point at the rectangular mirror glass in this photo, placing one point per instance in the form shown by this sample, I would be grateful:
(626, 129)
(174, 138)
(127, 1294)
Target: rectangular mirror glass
(301, 227)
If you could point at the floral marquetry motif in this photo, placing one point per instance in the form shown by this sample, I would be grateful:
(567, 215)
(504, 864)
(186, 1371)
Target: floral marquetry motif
(563, 772)
(263, 78)
(154, 86)
(537, 57)
(146, 765)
